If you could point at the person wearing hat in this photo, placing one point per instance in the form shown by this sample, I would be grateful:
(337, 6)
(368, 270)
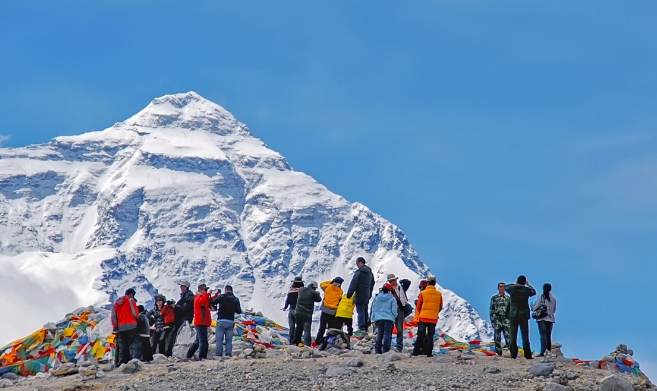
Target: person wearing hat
(202, 320)
(332, 295)
(398, 291)
(291, 302)
(361, 286)
(184, 312)
(384, 312)
(124, 316)
(429, 305)
(303, 314)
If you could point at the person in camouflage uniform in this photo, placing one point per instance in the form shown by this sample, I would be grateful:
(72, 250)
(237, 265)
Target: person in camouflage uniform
(499, 305)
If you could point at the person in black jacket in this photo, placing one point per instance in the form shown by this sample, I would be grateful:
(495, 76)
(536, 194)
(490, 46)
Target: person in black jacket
(519, 314)
(184, 311)
(362, 285)
(291, 302)
(227, 306)
(308, 296)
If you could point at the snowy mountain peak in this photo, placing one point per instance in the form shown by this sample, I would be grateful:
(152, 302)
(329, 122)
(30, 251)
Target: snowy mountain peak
(182, 190)
(189, 111)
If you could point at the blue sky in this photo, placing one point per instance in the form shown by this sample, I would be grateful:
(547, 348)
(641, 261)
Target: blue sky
(503, 137)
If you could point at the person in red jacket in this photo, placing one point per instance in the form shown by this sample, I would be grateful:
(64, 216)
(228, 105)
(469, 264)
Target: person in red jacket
(202, 320)
(124, 322)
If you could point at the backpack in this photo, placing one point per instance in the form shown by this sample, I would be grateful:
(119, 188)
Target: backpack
(540, 312)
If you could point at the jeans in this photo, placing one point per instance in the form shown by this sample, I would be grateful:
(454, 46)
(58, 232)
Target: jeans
(363, 321)
(399, 323)
(513, 340)
(201, 343)
(383, 336)
(545, 331)
(225, 330)
(303, 325)
(324, 320)
(424, 342)
(291, 322)
(129, 346)
(159, 341)
(339, 322)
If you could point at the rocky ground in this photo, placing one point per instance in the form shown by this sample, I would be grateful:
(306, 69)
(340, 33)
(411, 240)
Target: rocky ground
(349, 371)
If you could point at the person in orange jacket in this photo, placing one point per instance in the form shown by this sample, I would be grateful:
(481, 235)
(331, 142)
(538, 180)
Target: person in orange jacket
(124, 322)
(332, 295)
(429, 305)
(202, 320)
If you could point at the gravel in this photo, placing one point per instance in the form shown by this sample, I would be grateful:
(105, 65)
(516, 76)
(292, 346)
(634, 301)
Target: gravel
(365, 372)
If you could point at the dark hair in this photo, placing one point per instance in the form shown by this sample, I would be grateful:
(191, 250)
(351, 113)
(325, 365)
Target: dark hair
(228, 288)
(385, 289)
(297, 284)
(130, 291)
(361, 260)
(141, 308)
(501, 283)
(522, 280)
(431, 282)
(547, 288)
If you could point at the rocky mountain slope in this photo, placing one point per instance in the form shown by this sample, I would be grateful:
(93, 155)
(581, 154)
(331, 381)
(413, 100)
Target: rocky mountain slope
(182, 190)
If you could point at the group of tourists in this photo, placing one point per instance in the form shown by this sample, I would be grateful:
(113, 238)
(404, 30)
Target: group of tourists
(389, 309)
(141, 334)
(511, 312)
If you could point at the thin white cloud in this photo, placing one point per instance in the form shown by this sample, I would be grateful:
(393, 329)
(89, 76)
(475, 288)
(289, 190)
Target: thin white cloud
(3, 139)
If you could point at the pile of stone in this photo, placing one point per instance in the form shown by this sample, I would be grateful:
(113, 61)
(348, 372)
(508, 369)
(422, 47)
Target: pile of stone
(79, 340)
(621, 361)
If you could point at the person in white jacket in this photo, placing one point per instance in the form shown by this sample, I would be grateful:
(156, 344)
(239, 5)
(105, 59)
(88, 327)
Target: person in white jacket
(546, 323)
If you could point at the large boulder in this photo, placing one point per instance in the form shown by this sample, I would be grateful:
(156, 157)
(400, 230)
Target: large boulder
(615, 383)
(186, 337)
(132, 366)
(159, 359)
(543, 368)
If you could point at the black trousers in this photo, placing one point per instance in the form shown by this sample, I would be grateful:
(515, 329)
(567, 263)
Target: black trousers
(159, 341)
(349, 322)
(129, 346)
(523, 324)
(424, 342)
(545, 331)
(146, 350)
(325, 321)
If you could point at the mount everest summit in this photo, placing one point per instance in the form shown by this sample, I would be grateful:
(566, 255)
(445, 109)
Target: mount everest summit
(182, 190)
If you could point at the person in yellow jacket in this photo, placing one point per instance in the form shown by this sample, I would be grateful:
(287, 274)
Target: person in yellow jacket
(429, 304)
(345, 314)
(332, 295)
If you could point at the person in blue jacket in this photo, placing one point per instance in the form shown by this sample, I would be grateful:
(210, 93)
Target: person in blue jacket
(384, 312)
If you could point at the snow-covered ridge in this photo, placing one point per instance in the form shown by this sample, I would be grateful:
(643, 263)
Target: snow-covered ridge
(183, 190)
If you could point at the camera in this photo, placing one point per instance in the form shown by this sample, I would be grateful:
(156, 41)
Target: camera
(170, 302)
